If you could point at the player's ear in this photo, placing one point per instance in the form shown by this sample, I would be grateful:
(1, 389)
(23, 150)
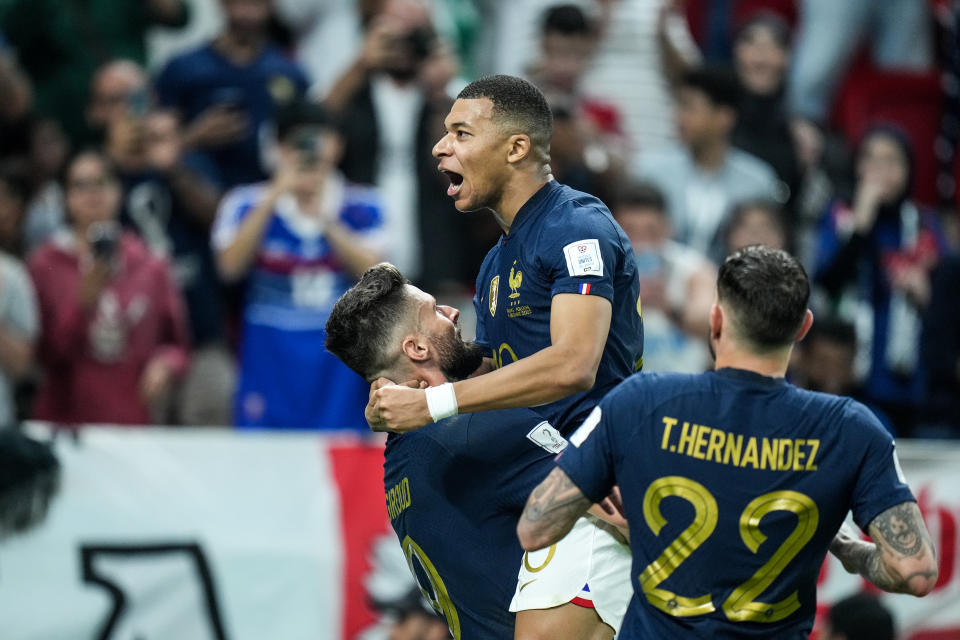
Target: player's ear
(805, 327)
(415, 348)
(520, 147)
(716, 321)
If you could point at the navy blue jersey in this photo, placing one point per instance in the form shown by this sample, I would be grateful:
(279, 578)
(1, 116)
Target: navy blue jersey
(561, 241)
(455, 491)
(733, 484)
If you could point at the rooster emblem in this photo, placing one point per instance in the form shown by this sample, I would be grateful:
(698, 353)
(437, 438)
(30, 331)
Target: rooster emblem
(515, 280)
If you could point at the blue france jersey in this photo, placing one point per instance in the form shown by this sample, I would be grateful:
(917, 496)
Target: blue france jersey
(287, 377)
(455, 491)
(561, 241)
(733, 484)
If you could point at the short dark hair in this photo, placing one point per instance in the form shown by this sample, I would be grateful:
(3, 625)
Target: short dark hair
(109, 168)
(640, 195)
(301, 113)
(767, 290)
(567, 20)
(518, 106)
(775, 23)
(718, 83)
(861, 617)
(361, 323)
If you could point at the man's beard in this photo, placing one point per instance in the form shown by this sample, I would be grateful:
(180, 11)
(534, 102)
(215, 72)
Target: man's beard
(457, 359)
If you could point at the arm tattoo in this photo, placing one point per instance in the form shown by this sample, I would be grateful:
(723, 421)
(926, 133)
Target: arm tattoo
(900, 529)
(899, 534)
(555, 505)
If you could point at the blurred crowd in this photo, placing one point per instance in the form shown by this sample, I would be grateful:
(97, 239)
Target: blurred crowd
(186, 187)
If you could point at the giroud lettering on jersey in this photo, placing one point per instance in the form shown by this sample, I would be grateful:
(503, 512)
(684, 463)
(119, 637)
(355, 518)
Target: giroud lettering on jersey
(716, 445)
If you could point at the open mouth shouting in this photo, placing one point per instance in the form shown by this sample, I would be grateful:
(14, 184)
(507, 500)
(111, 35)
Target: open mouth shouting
(456, 181)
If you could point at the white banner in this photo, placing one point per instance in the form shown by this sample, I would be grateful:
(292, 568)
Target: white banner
(180, 534)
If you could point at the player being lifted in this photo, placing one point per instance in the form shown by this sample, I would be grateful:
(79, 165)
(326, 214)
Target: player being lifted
(558, 309)
(455, 489)
(734, 481)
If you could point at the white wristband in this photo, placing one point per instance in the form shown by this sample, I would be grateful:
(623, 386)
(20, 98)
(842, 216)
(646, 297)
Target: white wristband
(441, 401)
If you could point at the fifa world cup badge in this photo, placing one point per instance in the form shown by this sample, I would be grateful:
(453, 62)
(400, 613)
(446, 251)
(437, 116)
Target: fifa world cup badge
(494, 291)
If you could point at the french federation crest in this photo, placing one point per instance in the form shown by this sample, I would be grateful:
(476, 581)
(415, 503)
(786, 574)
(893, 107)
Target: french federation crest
(494, 294)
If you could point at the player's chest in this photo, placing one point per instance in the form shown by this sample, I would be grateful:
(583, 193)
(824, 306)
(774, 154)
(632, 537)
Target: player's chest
(515, 290)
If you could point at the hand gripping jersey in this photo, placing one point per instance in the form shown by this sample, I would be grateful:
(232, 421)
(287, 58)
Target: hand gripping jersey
(734, 484)
(561, 241)
(455, 491)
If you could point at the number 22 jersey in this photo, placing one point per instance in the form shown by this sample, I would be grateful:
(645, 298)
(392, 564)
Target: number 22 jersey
(733, 484)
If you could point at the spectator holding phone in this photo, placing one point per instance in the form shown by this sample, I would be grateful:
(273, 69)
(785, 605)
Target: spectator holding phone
(113, 329)
(300, 241)
(226, 90)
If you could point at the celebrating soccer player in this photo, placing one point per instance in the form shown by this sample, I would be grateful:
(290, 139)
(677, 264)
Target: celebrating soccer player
(735, 482)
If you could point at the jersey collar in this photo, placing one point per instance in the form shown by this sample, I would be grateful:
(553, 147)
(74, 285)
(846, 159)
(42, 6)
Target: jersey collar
(533, 204)
(750, 376)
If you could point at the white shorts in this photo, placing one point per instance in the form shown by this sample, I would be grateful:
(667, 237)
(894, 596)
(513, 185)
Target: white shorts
(589, 567)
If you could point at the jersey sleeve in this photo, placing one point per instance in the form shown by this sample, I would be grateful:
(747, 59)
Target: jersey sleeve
(582, 256)
(880, 482)
(233, 209)
(589, 460)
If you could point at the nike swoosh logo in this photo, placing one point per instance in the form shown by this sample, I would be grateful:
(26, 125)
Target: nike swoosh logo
(525, 584)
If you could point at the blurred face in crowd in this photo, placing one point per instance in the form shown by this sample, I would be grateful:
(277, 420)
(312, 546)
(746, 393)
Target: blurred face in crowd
(647, 228)
(699, 121)
(247, 17)
(564, 59)
(314, 151)
(828, 366)
(409, 39)
(115, 89)
(92, 192)
(12, 207)
(760, 60)
(48, 148)
(473, 154)
(756, 225)
(882, 161)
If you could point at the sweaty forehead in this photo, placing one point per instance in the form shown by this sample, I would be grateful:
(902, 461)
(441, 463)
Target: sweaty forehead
(472, 112)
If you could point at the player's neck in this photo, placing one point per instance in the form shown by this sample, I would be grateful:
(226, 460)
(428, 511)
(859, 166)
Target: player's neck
(515, 195)
(773, 365)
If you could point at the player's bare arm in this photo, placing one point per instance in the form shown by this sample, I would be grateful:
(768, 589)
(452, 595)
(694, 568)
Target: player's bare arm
(901, 559)
(551, 510)
(578, 332)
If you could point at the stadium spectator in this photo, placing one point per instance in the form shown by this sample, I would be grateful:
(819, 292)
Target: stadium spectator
(825, 361)
(899, 32)
(114, 333)
(754, 222)
(18, 332)
(14, 191)
(170, 204)
(60, 45)
(643, 50)
(676, 284)
(705, 176)
(48, 151)
(226, 90)
(326, 34)
(392, 101)
(118, 89)
(299, 241)
(859, 617)
(588, 141)
(761, 57)
(941, 348)
(16, 103)
(884, 243)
